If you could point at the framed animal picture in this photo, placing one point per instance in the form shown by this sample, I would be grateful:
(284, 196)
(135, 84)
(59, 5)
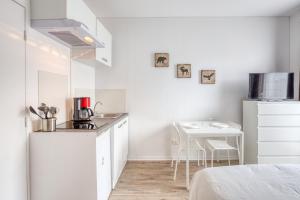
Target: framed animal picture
(161, 60)
(208, 76)
(184, 71)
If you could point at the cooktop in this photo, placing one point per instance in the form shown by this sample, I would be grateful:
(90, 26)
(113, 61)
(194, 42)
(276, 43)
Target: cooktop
(89, 125)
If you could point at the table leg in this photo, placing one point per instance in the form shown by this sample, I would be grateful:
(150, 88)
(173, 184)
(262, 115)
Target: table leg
(242, 149)
(187, 163)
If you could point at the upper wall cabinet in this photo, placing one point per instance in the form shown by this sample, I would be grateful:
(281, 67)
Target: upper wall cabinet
(70, 22)
(104, 55)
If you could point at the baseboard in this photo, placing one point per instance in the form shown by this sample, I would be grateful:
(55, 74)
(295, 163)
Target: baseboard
(164, 158)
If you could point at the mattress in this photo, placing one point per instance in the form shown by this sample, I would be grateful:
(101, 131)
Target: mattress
(247, 182)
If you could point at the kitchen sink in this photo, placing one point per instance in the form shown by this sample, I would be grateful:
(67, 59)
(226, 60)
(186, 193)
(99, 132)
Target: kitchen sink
(107, 115)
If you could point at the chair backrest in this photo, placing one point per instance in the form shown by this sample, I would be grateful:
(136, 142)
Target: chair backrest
(234, 125)
(178, 133)
(236, 138)
(237, 126)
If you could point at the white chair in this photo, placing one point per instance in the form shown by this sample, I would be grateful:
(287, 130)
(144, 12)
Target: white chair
(223, 145)
(179, 143)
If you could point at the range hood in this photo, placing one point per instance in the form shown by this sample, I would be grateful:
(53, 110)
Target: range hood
(69, 32)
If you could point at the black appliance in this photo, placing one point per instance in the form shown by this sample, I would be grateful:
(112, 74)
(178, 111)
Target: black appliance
(84, 125)
(271, 86)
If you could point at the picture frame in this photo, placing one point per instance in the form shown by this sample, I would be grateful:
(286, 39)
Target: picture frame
(208, 76)
(161, 59)
(184, 70)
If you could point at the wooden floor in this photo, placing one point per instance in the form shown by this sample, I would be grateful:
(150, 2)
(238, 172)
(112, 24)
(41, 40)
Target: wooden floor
(153, 181)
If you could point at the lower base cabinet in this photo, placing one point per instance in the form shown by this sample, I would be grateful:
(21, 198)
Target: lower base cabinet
(70, 166)
(119, 149)
(103, 167)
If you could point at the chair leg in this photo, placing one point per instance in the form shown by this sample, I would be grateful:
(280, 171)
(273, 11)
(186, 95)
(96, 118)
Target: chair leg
(238, 147)
(212, 158)
(239, 155)
(203, 158)
(175, 171)
(228, 157)
(205, 155)
(172, 162)
(198, 152)
(218, 155)
(176, 165)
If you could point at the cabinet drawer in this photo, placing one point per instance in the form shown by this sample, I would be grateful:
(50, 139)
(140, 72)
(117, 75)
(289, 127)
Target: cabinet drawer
(279, 148)
(269, 134)
(279, 120)
(279, 160)
(279, 108)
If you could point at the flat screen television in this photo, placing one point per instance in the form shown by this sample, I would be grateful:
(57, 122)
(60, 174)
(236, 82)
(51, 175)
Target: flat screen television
(271, 86)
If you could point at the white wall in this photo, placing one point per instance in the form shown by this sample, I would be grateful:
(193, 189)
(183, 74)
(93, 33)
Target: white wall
(232, 46)
(83, 80)
(43, 54)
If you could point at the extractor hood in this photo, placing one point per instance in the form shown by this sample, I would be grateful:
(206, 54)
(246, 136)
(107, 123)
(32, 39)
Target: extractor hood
(69, 32)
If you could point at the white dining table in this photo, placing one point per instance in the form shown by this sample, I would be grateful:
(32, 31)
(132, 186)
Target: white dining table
(208, 129)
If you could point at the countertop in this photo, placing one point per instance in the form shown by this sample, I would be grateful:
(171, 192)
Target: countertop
(101, 125)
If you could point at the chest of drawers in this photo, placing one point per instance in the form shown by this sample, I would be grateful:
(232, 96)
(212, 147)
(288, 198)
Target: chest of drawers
(272, 132)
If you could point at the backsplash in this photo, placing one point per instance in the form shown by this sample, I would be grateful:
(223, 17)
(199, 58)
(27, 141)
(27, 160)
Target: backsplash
(114, 101)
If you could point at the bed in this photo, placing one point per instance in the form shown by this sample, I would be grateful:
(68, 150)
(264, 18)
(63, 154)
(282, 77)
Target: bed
(247, 182)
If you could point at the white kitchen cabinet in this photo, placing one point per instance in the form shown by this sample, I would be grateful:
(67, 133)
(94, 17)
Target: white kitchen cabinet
(119, 145)
(104, 55)
(272, 132)
(70, 166)
(64, 9)
(103, 166)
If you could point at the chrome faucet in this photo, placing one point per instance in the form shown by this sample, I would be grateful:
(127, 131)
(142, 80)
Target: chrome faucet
(98, 102)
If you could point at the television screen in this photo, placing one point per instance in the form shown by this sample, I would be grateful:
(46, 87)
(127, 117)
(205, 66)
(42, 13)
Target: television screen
(271, 86)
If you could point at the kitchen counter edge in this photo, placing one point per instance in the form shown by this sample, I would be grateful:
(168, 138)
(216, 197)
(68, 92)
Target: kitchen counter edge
(97, 131)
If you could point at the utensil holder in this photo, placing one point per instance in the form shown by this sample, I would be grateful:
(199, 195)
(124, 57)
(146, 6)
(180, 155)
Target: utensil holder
(49, 125)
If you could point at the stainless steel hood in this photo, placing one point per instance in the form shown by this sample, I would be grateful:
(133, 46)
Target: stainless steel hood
(69, 32)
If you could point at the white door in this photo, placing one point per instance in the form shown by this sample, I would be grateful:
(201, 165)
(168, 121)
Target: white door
(12, 101)
(103, 55)
(117, 152)
(125, 141)
(119, 147)
(106, 166)
(103, 166)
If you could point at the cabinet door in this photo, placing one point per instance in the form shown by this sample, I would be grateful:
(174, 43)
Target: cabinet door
(79, 11)
(103, 166)
(119, 149)
(104, 55)
(125, 141)
(117, 152)
(12, 85)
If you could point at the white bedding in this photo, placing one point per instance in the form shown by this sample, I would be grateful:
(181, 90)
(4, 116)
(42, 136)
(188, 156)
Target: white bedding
(247, 182)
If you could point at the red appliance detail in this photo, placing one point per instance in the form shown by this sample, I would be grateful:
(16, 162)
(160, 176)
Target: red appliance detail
(85, 102)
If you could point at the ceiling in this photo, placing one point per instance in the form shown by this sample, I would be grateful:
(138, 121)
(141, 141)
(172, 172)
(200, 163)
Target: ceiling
(192, 8)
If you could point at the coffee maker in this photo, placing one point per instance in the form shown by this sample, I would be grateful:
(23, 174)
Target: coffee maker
(82, 110)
